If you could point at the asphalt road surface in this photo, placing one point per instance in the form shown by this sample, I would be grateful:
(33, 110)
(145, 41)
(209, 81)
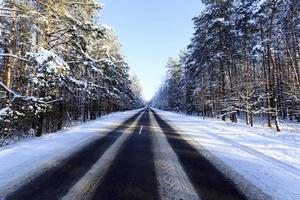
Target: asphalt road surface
(142, 159)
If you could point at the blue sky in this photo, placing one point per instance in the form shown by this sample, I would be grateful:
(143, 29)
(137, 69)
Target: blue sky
(151, 31)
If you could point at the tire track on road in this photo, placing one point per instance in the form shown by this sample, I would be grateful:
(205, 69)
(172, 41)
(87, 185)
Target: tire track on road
(55, 183)
(209, 183)
(132, 174)
(173, 181)
(86, 186)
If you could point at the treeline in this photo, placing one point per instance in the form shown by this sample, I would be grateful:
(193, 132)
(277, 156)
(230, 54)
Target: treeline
(57, 64)
(244, 58)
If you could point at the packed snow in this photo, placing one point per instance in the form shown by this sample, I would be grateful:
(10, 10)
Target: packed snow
(23, 161)
(266, 159)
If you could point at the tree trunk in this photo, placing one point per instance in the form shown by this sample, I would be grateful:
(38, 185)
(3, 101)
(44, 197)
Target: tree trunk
(10, 59)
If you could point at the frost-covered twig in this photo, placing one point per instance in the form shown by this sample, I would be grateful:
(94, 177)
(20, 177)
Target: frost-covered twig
(54, 101)
(9, 90)
(26, 98)
(14, 56)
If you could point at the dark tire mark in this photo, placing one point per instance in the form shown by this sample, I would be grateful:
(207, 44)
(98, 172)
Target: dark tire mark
(209, 183)
(55, 183)
(132, 175)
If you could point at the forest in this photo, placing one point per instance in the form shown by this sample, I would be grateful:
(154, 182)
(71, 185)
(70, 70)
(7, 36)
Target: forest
(59, 64)
(243, 60)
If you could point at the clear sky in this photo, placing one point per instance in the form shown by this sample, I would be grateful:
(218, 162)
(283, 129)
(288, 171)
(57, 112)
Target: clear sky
(151, 31)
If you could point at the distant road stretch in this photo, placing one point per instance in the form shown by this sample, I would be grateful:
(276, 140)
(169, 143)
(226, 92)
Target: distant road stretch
(142, 159)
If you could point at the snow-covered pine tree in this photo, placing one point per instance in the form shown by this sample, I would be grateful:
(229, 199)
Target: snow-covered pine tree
(243, 59)
(60, 65)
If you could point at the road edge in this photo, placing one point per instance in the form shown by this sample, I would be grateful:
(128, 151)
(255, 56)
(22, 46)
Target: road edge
(247, 188)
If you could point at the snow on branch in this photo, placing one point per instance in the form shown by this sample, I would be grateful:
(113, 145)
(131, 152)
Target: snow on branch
(9, 90)
(14, 56)
(94, 4)
(26, 98)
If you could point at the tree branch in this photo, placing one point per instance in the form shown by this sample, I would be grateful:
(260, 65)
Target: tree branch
(9, 90)
(14, 56)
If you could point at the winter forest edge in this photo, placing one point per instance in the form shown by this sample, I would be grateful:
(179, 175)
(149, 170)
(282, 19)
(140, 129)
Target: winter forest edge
(58, 65)
(243, 60)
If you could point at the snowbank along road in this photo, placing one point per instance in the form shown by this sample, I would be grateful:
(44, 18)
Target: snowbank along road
(143, 158)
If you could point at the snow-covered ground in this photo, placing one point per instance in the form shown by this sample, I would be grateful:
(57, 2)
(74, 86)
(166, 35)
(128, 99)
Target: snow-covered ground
(27, 159)
(268, 160)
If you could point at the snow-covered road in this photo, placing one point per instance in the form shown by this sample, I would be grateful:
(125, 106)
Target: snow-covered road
(247, 155)
(151, 154)
(143, 158)
(22, 162)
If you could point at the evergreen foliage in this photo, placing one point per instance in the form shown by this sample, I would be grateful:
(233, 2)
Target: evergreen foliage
(244, 57)
(57, 65)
